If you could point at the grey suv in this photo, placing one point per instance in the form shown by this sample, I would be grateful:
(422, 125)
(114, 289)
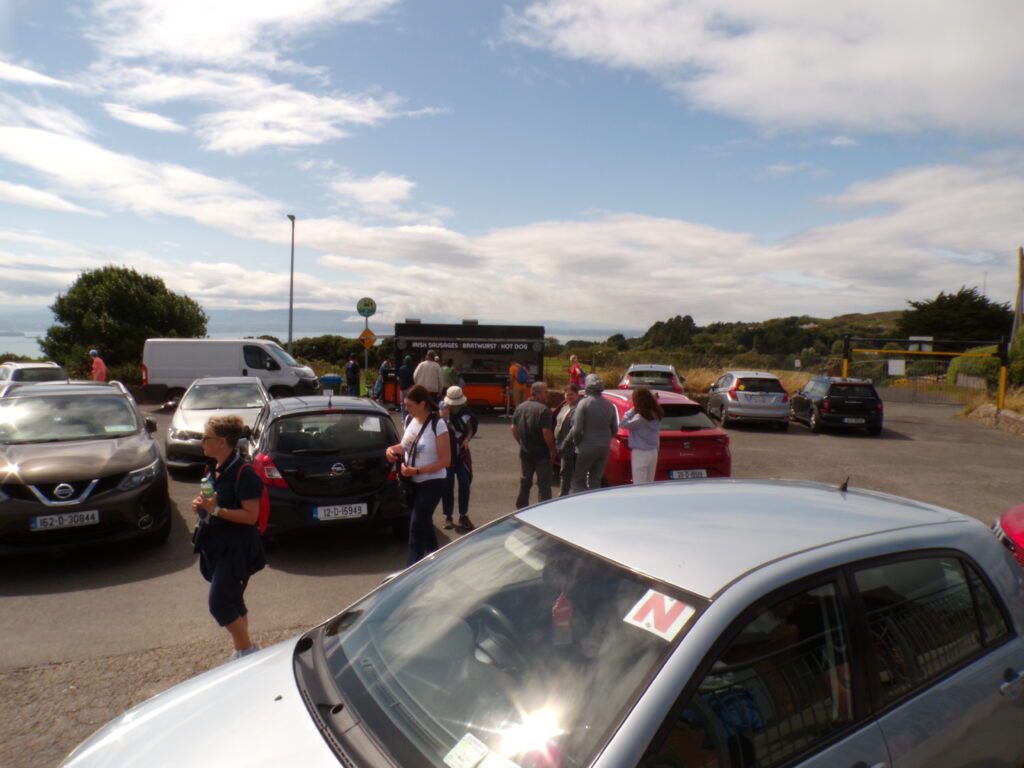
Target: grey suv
(31, 373)
(78, 464)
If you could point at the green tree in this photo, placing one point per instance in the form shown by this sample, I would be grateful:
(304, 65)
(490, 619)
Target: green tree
(115, 309)
(965, 315)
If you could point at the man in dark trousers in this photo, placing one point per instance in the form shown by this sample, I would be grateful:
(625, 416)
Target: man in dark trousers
(352, 371)
(405, 381)
(563, 436)
(533, 429)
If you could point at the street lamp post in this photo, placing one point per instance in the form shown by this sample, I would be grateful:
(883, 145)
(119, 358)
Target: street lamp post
(291, 286)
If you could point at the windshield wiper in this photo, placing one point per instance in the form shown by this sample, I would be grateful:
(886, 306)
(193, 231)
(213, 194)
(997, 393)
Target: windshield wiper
(306, 451)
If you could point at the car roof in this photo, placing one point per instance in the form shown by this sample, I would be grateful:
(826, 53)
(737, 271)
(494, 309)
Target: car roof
(625, 397)
(14, 364)
(227, 380)
(752, 374)
(290, 405)
(651, 367)
(699, 535)
(35, 389)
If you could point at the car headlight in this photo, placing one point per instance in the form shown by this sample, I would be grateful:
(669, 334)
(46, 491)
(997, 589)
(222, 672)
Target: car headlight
(140, 477)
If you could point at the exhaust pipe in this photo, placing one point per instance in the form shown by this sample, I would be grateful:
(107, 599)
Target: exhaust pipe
(145, 522)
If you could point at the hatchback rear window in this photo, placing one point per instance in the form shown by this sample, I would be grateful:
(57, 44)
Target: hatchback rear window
(684, 418)
(761, 385)
(330, 432)
(861, 391)
(650, 378)
(39, 374)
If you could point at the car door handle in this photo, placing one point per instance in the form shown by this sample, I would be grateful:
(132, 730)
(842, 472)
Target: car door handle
(1011, 678)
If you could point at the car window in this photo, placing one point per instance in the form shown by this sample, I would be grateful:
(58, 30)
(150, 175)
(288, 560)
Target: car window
(780, 687)
(331, 432)
(921, 619)
(994, 628)
(257, 427)
(684, 418)
(64, 418)
(856, 391)
(255, 357)
(513, 646)
(761, 385)
(208, 397)
(646, 378)
(281, 355)
(40, 374)
(4, 372)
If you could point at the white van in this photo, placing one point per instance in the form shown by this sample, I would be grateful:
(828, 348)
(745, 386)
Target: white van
(176, 363)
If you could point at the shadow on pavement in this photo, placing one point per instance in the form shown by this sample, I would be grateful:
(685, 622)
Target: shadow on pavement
(97, 565)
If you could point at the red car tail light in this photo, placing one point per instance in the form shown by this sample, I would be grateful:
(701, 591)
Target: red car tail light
(878, 407)
(269, 473)
(825, 405)
(145, 374)
(732, 391)
(676, 386)
(785, 396)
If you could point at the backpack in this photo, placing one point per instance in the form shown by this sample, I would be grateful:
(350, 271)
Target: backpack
(434, 418)
(522, 375)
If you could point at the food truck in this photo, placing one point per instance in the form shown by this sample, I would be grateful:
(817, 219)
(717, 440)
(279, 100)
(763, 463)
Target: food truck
(482, 354)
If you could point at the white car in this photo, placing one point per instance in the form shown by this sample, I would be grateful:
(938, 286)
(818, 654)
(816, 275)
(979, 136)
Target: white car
(721, 623)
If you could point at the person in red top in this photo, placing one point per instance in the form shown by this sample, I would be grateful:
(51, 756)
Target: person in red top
(99, 368)
(576, 374)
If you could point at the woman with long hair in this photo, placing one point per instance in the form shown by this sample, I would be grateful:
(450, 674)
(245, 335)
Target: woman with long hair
(425, 453)
(643, 421)
(229, 546)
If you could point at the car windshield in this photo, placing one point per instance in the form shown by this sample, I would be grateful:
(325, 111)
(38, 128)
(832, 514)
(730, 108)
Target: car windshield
(643, 378)
(684, 418)
(281, 355)
(208, 397)
(510, 649)
(761, 385)
(39, 374)
(65, 417)
(864, 391)
(334, 432)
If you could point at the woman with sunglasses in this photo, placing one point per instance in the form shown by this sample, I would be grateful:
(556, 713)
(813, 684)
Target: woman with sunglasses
(230, 550)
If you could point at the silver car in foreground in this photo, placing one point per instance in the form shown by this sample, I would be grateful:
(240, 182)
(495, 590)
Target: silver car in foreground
(713, 623)
(749, 396)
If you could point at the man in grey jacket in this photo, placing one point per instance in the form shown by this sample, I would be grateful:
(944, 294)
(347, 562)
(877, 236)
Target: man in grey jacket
(593, 427)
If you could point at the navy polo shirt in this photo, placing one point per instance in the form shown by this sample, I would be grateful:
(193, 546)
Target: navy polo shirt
(235, 481)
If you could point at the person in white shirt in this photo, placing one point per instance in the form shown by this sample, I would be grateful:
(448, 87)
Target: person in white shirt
(429, 376)
(425, 453)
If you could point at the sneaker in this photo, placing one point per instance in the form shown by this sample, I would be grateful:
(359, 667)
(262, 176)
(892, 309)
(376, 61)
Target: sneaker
(465, 524)
(448, 524)
(242, 654)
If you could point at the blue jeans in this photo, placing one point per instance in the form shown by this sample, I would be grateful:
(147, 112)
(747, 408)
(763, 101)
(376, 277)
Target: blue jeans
(353, 389)
(464, 475)
(422, 536)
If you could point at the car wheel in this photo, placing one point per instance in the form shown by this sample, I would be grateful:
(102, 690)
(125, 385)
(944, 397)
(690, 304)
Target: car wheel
(814, 422)
(278, 392)
(875, 430)
(783, 426)
(400, 527)
(723, 418)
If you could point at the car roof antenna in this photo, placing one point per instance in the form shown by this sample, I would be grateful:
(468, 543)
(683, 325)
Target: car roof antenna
(844, 486)
(330, 397)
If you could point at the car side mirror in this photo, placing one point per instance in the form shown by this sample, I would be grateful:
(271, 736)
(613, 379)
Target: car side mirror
(149, 425)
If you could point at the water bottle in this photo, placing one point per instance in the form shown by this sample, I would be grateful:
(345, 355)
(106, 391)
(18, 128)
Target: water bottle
(207, 492)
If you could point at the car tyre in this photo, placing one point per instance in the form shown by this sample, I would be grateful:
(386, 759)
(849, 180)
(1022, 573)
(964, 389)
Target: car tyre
(723, 418)
(783, 426)
(814, 422)
(400, 527)
(875, 430)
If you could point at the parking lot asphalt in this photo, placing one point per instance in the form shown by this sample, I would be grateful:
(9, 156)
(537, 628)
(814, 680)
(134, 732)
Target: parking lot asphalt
(86, 634)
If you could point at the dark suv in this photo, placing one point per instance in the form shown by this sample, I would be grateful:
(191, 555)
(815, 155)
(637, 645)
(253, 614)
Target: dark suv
(323, 462)
(842, 403)
(78, 464)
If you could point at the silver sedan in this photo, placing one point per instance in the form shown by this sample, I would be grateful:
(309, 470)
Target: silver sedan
(713, 623)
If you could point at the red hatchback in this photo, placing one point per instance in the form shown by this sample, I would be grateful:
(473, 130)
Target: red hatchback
(691, 445)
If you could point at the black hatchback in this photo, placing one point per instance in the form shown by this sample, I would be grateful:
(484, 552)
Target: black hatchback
(841, 403)
(323, 462)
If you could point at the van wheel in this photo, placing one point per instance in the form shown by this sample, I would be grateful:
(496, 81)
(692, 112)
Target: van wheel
(279, 392)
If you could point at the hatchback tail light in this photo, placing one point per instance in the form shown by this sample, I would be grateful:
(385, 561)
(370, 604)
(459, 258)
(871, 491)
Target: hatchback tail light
(826, 406)
(269, 473)
(145, 374)
(785, 396)
(878, 407)
(677, 387)
(732, 391)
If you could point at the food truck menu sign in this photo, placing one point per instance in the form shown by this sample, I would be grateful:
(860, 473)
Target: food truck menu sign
(471, 345)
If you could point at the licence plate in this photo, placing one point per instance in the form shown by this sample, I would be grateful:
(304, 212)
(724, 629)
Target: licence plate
(851, 420)
(340, 512)
(687, 474)
(66, 520)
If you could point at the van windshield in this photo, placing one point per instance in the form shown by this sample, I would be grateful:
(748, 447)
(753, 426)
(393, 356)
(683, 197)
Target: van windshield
(281, 355)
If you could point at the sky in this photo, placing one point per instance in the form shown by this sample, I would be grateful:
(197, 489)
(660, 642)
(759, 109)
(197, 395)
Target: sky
(573, 163)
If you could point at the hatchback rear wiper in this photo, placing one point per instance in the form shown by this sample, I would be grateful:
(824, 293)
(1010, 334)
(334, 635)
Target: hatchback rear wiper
(315, 450)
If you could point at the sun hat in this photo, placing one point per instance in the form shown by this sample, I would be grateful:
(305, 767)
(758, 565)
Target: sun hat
(94, 353)
(454, 396)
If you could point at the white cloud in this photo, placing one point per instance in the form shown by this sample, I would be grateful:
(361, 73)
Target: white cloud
(43, 115)
(13, 73)
(229, 33)
(842, 141)
(868, 66)
(385, 196)
(36, 198)
(150, 120)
